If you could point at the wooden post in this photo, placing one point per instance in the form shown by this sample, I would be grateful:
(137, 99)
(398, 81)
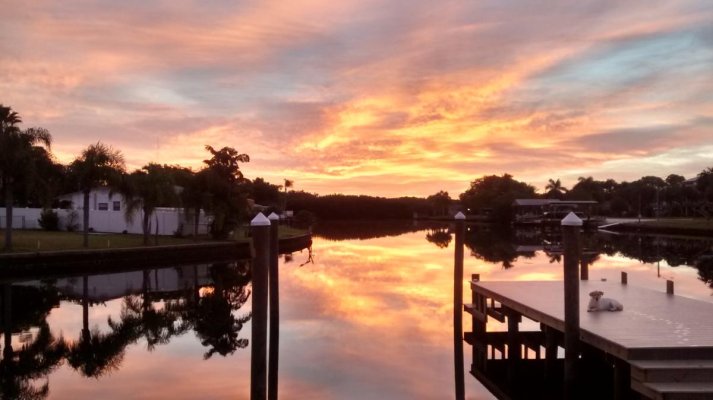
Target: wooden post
(458, 307)
(550, 351)
(622, 379)
(624, 278)
(514, 343)
(7, 320)
(669, 286)
(274, 281)
(260, 229)
(570, 235)
(584, 270)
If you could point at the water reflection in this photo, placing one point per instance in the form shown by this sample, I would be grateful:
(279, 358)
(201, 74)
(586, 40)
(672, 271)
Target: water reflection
(367, 317)
(156, 306)
(37, 355)
(506, 246)
(441, 237)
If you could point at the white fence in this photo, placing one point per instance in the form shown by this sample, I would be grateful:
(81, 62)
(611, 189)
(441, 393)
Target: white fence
(169, 220)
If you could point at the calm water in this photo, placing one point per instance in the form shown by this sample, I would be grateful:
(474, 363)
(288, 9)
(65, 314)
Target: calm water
(367, 316)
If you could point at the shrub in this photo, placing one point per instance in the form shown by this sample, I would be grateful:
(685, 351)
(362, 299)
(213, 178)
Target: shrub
(72, 218)
(49, 220)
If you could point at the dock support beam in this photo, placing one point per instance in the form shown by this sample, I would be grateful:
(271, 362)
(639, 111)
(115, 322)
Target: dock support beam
(622, 379)
(550, 351)
(458, 307)
(669, 286)
(571, 225)
(514, 344)
(274, 284)
(584, 272)
(480, 347)
(260, 229)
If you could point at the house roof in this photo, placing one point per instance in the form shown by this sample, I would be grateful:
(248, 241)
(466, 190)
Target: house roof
(545, 202)
(533, 202)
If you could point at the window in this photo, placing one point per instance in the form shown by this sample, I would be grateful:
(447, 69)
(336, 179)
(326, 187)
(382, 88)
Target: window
(116, 206)
(103, 206)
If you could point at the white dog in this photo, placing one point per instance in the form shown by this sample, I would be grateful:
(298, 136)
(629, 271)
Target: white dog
(599, 303)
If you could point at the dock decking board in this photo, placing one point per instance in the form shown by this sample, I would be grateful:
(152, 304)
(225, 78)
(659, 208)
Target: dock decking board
(653, 325)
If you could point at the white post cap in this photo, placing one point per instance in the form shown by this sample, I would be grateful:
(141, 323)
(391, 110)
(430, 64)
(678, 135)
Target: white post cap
(260, 220)
(571, 220)
(273, 217)
(460, 215)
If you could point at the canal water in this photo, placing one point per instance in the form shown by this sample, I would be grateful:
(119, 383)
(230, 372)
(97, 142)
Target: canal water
(367, 313)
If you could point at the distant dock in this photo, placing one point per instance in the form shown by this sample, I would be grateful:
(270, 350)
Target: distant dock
(659, 347)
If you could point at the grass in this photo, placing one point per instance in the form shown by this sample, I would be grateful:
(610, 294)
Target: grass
(40, 240)
(680, 223)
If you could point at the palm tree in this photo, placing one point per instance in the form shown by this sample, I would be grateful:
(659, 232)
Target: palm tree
(98, 165)
(555, 189)
(288, 184)
(147, 189)
(16, 161)
(195, 197)
(224, 178)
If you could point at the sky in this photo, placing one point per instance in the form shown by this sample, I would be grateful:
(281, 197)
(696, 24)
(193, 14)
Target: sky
(389, 98)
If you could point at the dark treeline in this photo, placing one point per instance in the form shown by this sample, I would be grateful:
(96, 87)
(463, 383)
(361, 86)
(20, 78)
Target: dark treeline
(649, 196)
(369, 229)
(350, 207)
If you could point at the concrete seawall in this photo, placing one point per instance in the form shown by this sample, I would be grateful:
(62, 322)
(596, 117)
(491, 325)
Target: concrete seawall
(69, 262)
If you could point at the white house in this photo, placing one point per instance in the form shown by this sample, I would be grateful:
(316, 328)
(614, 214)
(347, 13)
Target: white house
(107, 213)
(100, 199)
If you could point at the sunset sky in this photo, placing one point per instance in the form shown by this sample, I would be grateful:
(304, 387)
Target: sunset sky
(374, 97)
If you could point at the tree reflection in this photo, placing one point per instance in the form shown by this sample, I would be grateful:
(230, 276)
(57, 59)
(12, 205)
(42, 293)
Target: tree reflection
(705, 269)
(495, 246)
(94, 353)
(36, 359)
(33, 361)
(215, 325)
(440, 237)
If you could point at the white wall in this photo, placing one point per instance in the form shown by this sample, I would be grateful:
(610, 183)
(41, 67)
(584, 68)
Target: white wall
(169, 220)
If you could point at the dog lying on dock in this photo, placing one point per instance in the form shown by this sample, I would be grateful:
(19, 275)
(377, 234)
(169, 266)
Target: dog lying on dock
(599, 303)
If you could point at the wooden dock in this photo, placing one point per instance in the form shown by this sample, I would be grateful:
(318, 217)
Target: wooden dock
(661, 344)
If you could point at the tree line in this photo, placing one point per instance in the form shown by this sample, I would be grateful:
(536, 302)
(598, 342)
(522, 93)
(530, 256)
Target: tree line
(30, 176)
(649, 196)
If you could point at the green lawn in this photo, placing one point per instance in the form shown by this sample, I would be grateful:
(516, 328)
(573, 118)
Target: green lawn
(39, 240)
(686, 223)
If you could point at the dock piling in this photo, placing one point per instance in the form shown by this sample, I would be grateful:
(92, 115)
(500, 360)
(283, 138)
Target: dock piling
(584, 270)
(458, 307)
(571, 225)
(274, 286)
(260, 230)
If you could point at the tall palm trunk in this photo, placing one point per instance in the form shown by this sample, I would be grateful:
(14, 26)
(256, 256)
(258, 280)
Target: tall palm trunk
(85, 307)
(86, 219)
(196, 220)
(7, 320)
(8, 216)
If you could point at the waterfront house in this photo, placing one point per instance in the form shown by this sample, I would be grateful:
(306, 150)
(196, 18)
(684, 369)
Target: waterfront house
(551, 211)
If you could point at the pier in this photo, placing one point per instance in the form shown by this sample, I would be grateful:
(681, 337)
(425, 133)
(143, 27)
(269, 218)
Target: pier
(659, 347)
